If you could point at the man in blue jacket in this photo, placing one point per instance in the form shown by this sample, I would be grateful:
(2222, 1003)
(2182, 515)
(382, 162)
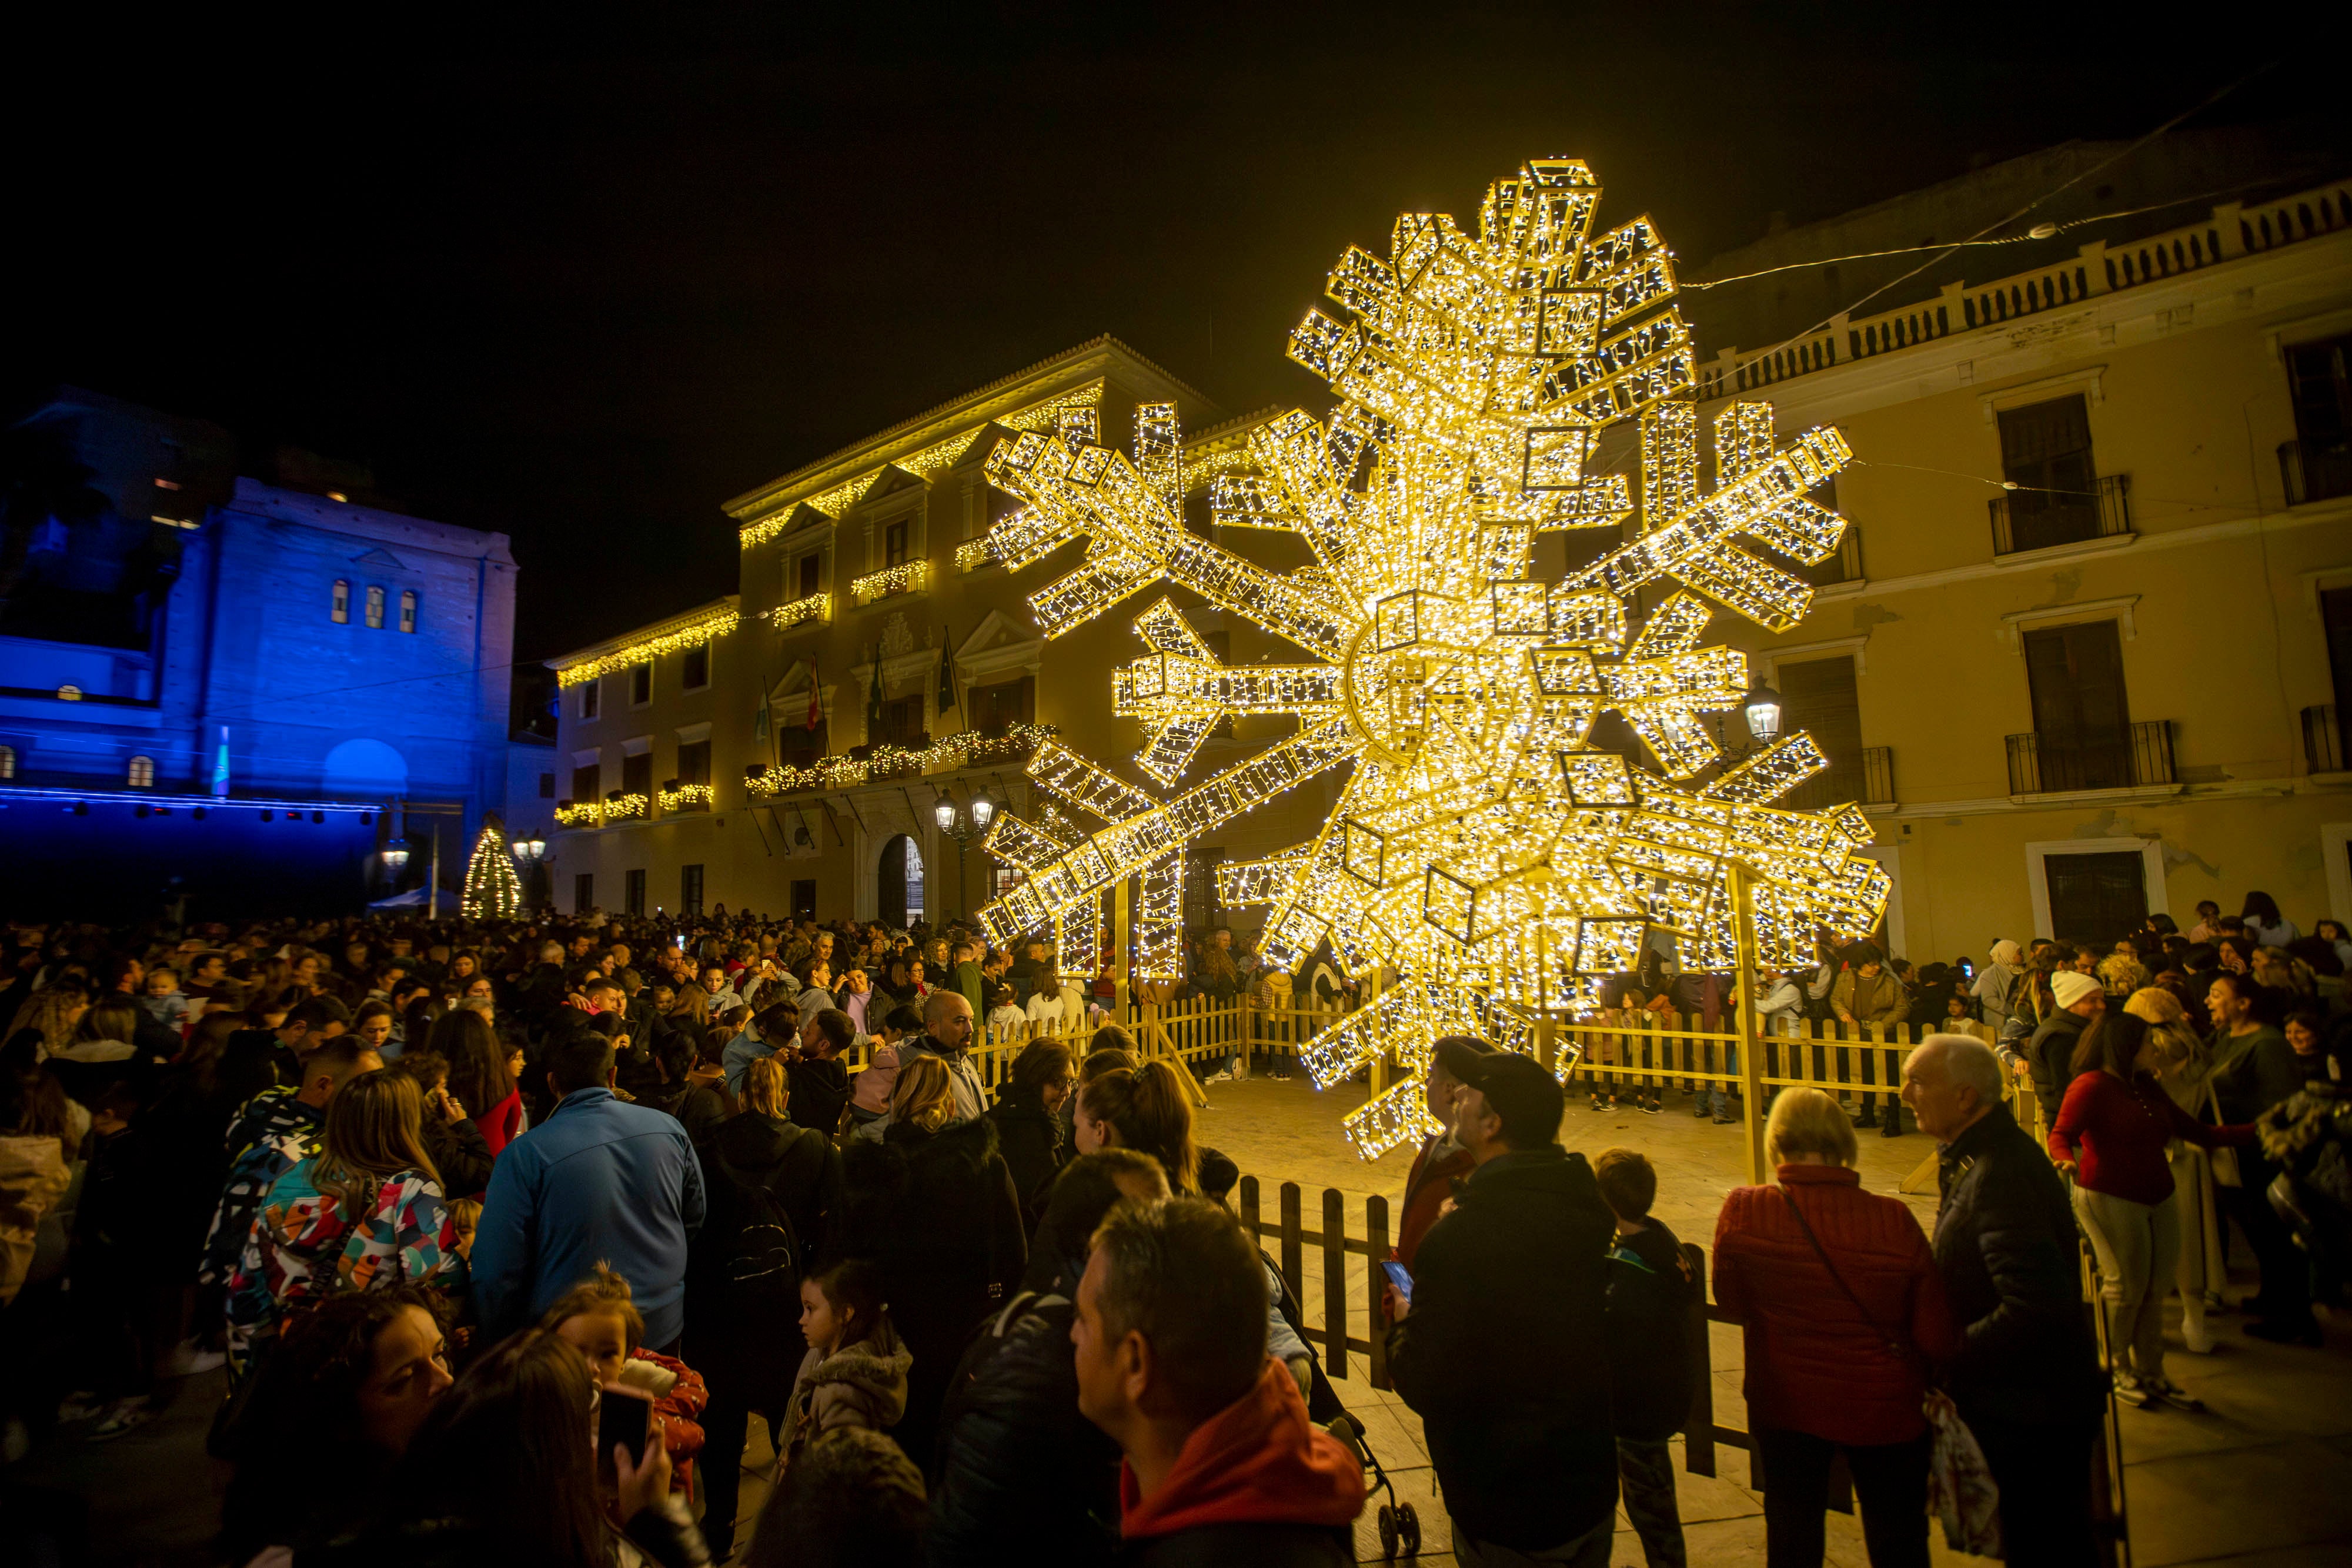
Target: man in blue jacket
(599, 1180)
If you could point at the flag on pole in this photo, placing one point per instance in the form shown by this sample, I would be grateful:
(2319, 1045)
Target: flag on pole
(817, 701)
(759, 719)
(946, 669)
(874, 699)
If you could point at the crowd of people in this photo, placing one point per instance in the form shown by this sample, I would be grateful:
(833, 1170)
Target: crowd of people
(518, 1226)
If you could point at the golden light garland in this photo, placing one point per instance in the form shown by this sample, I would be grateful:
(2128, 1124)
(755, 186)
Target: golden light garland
(688, 798)
(906, 577)
(671, 640)
(814, 609)
(580, 814)
(1485, 845)
(963, 750)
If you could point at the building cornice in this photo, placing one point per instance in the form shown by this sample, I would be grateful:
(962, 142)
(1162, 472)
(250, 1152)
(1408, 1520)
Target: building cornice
(703, 623)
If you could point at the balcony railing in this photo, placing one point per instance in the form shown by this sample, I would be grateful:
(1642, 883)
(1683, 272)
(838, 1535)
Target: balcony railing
(1865, 779)
(676, 796)
(908, 577)
(1844, 566)
(815, 608)
(2037, 519)
(2314, 474)
(2323, 740)
(2126, 758)
(623, 805)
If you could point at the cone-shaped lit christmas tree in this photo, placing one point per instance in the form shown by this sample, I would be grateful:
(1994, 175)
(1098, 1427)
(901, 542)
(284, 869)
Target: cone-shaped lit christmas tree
(492, 889)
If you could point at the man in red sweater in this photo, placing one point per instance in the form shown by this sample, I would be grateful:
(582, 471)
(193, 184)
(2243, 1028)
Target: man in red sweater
(1442, 1157)
(1222, 1463)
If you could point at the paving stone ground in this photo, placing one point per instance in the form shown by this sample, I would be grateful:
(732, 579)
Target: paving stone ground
(2263, 1481)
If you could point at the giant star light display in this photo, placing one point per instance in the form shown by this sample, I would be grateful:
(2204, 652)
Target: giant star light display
(1485, 845)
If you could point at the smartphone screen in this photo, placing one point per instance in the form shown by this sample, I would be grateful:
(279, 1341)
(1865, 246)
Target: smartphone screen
(623, 1418)
(1400, 1278)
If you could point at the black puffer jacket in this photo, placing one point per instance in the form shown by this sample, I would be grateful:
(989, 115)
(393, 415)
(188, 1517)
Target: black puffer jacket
(936, 1212)
(1015, 1461)
(2005, 1244)
(1030, 1138)
(801, 1171)
(1514, 1277)
(820, 1088)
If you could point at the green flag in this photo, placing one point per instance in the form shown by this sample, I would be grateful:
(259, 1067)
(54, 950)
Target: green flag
(946, 669)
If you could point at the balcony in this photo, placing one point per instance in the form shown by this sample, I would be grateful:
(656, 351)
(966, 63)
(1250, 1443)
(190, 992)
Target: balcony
(908, 577)
(580, 814)
(2317, 473)
(623, 805)
(1865, 779)
(2036, 519)
(816, 608)
(1844, 565)
(676, 796)
(2323, 740)
(2136, 756)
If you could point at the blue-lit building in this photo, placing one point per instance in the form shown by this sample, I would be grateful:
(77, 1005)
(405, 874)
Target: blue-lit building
(288, 658)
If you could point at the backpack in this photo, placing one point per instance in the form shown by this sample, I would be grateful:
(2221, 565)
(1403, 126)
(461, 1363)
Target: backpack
(755, 1258)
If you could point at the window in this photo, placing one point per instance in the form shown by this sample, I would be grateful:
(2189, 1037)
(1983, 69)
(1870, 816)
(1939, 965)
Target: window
(1005, 703)
(408, 610)
(637, 775)
(342, 602)
(689, 890)
(805, 898)
(7, 762)
(641, 685)
(2082, 718)
(2099, 898)
(2321, 388)
(636, 896)
(546, 786)
(142, 773)
(592, 698)
(1816, 695)
(801, 745)
(694, 765)
(902, 721)
(583, 892)
(375, 608)
(808, 574)
(694, 667)
(2045, 452)
(894, 543)
(588, 784)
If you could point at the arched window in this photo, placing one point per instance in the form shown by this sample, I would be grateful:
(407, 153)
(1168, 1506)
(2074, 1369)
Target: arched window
(142, 773)
(408, 610)
(7, 762)
(342, 610)
(375, 608)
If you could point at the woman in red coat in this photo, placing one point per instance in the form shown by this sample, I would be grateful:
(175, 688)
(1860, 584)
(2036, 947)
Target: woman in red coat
(1819, 1313)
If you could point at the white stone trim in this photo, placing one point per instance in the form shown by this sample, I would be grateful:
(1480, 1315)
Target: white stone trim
(2121, 609)
(1805, 653)
(2037, 873)
(589, 757)
(693, 734)
(641, 746)
(2091, 381)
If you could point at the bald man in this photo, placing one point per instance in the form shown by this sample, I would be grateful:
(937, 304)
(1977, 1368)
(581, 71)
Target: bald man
(2027, 1379)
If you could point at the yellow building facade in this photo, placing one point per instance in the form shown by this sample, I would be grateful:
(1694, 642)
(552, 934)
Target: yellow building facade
(2081, 633)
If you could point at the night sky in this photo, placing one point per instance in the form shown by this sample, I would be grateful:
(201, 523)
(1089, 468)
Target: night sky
(582, 284)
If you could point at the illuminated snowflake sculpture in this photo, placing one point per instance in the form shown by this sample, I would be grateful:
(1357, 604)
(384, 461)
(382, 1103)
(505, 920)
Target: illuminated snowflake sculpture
(1484, 845)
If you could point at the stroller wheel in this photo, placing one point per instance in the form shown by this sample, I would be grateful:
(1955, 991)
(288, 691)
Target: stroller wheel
(1409, 1527)
(1388, 1527)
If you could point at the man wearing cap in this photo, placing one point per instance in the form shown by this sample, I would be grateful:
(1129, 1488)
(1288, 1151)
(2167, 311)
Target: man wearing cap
(1501, 1348)
(1441, 1159)
(2051, 1056)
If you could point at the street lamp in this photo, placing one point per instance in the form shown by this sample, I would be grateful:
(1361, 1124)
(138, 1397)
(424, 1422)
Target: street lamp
(395, 854)
(1762, 705)
(963, 826)
(529, 850)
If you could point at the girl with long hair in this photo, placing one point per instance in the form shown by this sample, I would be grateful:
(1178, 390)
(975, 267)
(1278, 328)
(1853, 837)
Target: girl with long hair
(478, 1079)
(365, 1212)
(1144, 1108)
(2264, 924)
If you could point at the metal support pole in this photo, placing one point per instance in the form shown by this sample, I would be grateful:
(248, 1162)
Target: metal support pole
(1750, 1024)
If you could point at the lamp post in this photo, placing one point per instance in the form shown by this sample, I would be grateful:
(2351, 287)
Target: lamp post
(963, 825)
(528, 855)
(1763, 709)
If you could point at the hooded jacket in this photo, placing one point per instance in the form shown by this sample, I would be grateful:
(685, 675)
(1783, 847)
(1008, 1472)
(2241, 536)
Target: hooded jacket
(1030, 1139)
(1814, 1364)
(1651, 1289)
(2005, 1244)
(1257, 1482)
(1527, 1461)
(862, 1385)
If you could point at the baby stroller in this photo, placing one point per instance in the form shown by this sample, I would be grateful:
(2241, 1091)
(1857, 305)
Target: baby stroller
(1399, 1525)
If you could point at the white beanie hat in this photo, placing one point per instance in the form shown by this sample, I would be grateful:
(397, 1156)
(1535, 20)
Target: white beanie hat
(2070, 987)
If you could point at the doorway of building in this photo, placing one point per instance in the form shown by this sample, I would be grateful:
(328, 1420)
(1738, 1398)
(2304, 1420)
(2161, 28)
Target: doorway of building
(2097, 898)
(899, 883)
